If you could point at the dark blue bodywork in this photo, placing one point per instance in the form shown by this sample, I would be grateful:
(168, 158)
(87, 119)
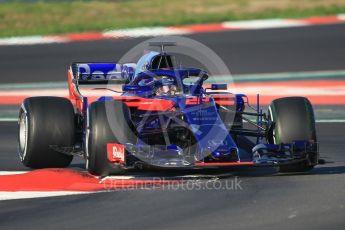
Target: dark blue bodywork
(202, 127)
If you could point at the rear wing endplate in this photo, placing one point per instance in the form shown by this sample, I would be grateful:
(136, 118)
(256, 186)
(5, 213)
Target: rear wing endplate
(95, 74)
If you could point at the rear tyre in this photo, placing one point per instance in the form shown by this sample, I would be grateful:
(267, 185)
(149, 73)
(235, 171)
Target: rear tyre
(294, 120)
(108, 122)
(45, 122)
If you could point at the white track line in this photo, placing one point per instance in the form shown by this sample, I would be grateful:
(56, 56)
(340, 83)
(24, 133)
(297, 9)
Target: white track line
(263, 24)
(27, 195)
(341, 17)
(145, 32)
(31, 40)
(330, 121)
(4, 173)
(8, 119)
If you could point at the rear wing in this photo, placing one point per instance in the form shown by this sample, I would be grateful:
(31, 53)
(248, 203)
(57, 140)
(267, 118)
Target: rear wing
(102, 73)
(94, 74)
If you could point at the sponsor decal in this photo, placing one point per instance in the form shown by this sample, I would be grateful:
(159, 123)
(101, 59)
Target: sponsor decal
(105, 71)
(116, 153)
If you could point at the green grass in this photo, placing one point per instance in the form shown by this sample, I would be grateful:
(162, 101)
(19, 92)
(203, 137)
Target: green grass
(19, 18)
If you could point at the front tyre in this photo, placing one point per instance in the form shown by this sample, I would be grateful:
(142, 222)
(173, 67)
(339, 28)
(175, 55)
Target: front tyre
(108, 122)
(45, 122)
(294, 120)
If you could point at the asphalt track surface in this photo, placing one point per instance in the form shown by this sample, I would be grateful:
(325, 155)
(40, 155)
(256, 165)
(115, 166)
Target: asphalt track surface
(313, 200)
(251, 51)
(264, 199)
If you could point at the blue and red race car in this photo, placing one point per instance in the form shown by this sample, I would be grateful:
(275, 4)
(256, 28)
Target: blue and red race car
(164, 116)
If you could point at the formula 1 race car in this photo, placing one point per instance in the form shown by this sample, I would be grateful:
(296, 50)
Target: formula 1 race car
(165, 117)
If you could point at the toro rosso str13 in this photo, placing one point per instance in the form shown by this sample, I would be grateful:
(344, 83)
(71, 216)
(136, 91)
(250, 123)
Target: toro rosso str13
(165, 117)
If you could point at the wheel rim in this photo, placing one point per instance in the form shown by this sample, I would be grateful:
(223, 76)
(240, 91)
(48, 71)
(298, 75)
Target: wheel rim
(23, 134)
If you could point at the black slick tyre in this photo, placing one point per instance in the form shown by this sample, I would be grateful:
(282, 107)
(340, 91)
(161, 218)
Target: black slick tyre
(45, 122)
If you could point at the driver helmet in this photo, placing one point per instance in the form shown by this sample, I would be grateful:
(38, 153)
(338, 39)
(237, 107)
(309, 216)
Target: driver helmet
(166, 86)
